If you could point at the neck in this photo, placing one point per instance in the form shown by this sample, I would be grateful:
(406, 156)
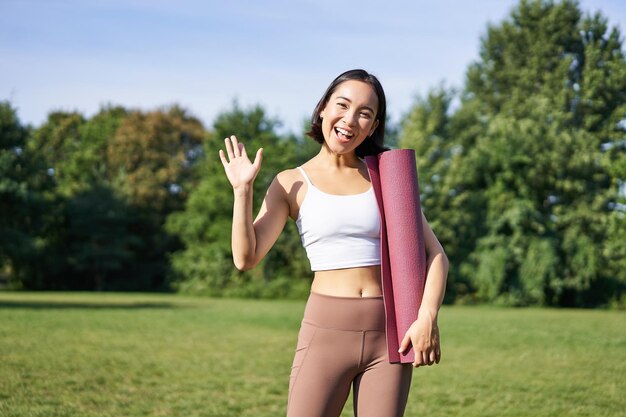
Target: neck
(347, 160)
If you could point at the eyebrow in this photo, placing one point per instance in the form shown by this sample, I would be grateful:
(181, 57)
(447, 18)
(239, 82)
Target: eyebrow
(365, 107)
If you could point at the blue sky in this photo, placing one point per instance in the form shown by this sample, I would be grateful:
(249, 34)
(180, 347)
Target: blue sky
(79, 55)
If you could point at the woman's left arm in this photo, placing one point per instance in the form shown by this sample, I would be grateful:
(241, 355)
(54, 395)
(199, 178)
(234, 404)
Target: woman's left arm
(424, 332)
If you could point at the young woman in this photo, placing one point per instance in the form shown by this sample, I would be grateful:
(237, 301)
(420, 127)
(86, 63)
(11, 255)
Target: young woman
(342, 337)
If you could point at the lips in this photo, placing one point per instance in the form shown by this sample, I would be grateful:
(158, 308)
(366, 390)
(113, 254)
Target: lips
(343, 135)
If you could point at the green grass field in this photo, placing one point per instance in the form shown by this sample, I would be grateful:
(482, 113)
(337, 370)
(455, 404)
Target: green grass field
(165, 355)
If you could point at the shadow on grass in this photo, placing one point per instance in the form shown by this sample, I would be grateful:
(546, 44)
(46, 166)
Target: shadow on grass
(47, 304)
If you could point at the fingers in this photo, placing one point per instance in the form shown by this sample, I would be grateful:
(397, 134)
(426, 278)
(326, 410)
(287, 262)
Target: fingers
(405, 343)
(223, 158)
(258, 159)
(234, 149)
(418, 360)
(229, 149)
(427, 356)
(422, 358)
(432, 357)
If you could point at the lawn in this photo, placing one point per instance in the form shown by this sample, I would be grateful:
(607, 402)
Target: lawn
(165, 355)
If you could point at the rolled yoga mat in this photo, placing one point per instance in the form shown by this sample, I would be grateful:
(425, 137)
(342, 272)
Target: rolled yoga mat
(403, 257)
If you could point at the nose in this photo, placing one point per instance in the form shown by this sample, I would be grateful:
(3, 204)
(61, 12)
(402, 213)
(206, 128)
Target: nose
(350, 118)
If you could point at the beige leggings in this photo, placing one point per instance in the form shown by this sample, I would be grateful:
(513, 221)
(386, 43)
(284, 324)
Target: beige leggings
(342, 343)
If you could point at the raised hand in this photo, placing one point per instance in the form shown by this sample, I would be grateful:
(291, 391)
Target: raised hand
(239, 170)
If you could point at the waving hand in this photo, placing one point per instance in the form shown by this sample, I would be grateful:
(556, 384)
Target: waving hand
(239, 170)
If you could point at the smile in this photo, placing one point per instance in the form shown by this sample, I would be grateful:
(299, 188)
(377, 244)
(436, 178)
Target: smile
(343, 134)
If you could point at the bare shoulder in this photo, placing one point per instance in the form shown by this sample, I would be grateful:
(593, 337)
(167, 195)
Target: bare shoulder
(291, 181)
(288, 178)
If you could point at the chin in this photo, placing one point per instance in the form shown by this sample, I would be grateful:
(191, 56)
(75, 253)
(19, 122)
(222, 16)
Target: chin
(339, 148)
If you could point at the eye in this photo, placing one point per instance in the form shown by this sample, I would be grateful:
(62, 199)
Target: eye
(366, 115)
(342, 105)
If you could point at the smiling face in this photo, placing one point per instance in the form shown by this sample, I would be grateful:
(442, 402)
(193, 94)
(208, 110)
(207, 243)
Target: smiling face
(349, 116)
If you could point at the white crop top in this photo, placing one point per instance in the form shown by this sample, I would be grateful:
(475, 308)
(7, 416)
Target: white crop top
(339, 231)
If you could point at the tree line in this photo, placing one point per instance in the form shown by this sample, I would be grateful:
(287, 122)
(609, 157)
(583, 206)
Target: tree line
(522, 176)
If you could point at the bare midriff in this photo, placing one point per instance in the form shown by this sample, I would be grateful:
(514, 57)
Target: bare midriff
(350, 282)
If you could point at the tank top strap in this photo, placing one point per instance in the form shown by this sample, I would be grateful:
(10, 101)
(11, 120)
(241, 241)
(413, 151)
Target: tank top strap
(306, 177)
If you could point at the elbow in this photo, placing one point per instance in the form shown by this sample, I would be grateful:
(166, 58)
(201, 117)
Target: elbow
(241, 267)
(444, 260)
(244, 264)
(441, 258)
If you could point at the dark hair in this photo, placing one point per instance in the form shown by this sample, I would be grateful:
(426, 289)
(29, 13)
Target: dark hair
(373, 144)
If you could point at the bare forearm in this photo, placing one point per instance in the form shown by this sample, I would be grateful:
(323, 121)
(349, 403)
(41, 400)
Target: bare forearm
(435, 284)
(424, 332)
(243, 236)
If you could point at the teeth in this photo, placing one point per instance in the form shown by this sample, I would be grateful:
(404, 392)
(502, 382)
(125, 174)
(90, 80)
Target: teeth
(343, 131)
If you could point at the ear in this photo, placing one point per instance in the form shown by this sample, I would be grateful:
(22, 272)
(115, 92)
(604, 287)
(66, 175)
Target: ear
(373, 128)
(322, 112)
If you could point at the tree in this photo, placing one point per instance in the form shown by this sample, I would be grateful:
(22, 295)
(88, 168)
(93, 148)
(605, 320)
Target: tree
(23, 181)
(101, 245)
(525, 170)
(116, 176)
(75, 148)
(205, 265)
(150, 156)
(57, 141)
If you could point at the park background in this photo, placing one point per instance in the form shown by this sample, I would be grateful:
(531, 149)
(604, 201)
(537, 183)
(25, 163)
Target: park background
(110, 123)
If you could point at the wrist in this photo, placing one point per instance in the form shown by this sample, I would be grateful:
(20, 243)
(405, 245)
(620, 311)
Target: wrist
(428, 311)
(242, 190)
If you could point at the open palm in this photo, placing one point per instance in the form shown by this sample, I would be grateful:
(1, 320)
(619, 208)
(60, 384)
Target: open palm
(239, 170)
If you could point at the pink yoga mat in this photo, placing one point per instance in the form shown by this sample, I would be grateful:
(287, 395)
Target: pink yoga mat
(403, 256)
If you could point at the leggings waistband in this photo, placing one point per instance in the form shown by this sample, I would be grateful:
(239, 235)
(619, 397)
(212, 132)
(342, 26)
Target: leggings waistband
(345, 313)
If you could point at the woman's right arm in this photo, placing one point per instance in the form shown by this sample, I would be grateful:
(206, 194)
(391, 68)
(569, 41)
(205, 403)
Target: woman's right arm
(251, 240)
